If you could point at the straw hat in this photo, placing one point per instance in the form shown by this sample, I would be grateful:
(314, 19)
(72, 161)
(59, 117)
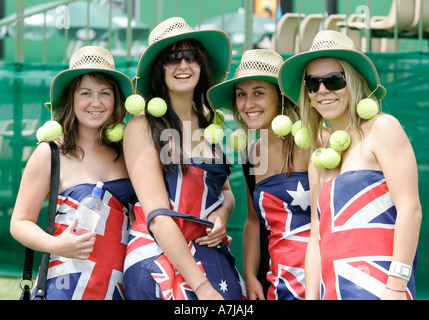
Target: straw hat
(216, 43)
(87, 59)
(258, 64)
(328, 43)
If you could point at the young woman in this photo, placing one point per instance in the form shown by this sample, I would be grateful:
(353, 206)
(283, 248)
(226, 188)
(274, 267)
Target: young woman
(175, 249)
(366, 212)
(86, 99)
(281, 196)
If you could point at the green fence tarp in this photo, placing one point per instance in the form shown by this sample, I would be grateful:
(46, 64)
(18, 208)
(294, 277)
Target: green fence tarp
(24, 88)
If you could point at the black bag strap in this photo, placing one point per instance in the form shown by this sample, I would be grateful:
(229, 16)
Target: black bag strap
(52, 208)
(175, 214)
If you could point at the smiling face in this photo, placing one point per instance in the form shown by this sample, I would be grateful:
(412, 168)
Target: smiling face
(94, 102)
(331, 104)
(257, 103)
(182, 70)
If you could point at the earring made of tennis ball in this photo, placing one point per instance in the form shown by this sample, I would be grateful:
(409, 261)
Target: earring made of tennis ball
(281, 125)
(50, 131)
(135, 104)
(218, 118)
(115, 132)
(302, 138)
(367, 108)
(213, 133)
(157, 107)
(238, 140)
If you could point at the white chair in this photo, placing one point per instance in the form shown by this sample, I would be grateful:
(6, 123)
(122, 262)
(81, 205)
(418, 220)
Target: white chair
(414, 27)
(332, 21)
(403, 20)
(284, 39)
(307, 30)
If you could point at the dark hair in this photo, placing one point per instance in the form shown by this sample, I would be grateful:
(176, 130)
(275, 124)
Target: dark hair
(67, 118)
(171, 120)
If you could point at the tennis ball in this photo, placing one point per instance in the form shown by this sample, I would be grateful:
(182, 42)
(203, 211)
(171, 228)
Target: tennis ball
(50, 131)
(316, 159)
(340, 140)
(281, 125)
(302, 138)
(213, 133)
(330, 158)
(218, 118)
(115, 132)
(238, 140)
(135, 104)
(367, 108)
(296, 126)
(157, 107)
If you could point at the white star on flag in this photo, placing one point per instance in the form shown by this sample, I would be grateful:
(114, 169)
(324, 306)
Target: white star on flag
(300, 197)
(223, 286)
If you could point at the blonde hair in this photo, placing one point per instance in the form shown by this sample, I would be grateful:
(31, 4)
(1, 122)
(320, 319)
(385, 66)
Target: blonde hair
(357, 89)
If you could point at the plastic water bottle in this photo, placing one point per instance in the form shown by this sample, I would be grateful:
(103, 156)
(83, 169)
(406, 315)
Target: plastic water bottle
(89, 210)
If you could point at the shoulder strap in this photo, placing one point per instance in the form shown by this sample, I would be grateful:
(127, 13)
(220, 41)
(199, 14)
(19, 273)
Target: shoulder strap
(29, 253)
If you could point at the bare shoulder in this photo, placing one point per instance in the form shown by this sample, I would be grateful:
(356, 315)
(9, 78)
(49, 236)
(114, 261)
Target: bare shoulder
(137, 128)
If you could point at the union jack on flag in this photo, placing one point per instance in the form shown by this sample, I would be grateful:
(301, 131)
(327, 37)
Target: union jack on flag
(357, 222)
(100, 276)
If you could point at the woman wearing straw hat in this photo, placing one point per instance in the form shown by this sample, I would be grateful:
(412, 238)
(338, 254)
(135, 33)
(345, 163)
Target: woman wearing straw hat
(281, 196)
(85, 99)
(175, 249)
(364, 187)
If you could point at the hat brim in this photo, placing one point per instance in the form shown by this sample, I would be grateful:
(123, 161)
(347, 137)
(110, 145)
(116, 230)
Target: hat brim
(216, 43)
(222, 95)
(63, 79)
(291, 72)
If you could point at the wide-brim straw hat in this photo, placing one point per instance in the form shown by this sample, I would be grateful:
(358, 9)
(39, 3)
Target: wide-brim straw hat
(328, 43)
(258, 64)
(216, 43)
(85, 60)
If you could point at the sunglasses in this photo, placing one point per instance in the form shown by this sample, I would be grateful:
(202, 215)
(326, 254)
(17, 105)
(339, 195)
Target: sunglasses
(331, 81)
(175, 58)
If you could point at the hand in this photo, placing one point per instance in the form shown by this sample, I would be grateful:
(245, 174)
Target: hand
(254, 289)
(70, 245)
(214, 236)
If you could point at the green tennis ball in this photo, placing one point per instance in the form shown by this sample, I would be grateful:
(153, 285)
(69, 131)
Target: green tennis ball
(213, 133)
(296, 126)
(281, 125)
(330, 158)
(340, 140)
(238, 140)
(367, 108)
(157, 107)
(316, 159)
(135, 104)
(302, 138)
(115, 133)
(218, 118)
(50, 131)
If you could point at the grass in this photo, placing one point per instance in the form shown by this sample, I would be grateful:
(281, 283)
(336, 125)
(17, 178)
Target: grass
(9, 288)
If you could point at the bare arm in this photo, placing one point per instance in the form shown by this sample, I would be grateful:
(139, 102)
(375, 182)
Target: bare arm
(33, 191)
(396, 158)
(145, 171)
(251, 244)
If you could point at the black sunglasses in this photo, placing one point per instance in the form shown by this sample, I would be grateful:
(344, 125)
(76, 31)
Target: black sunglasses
(332, 81)
(176, 57)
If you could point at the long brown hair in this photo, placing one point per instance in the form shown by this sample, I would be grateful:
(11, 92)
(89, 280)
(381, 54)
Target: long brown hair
(171, 120)
(67, 117)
